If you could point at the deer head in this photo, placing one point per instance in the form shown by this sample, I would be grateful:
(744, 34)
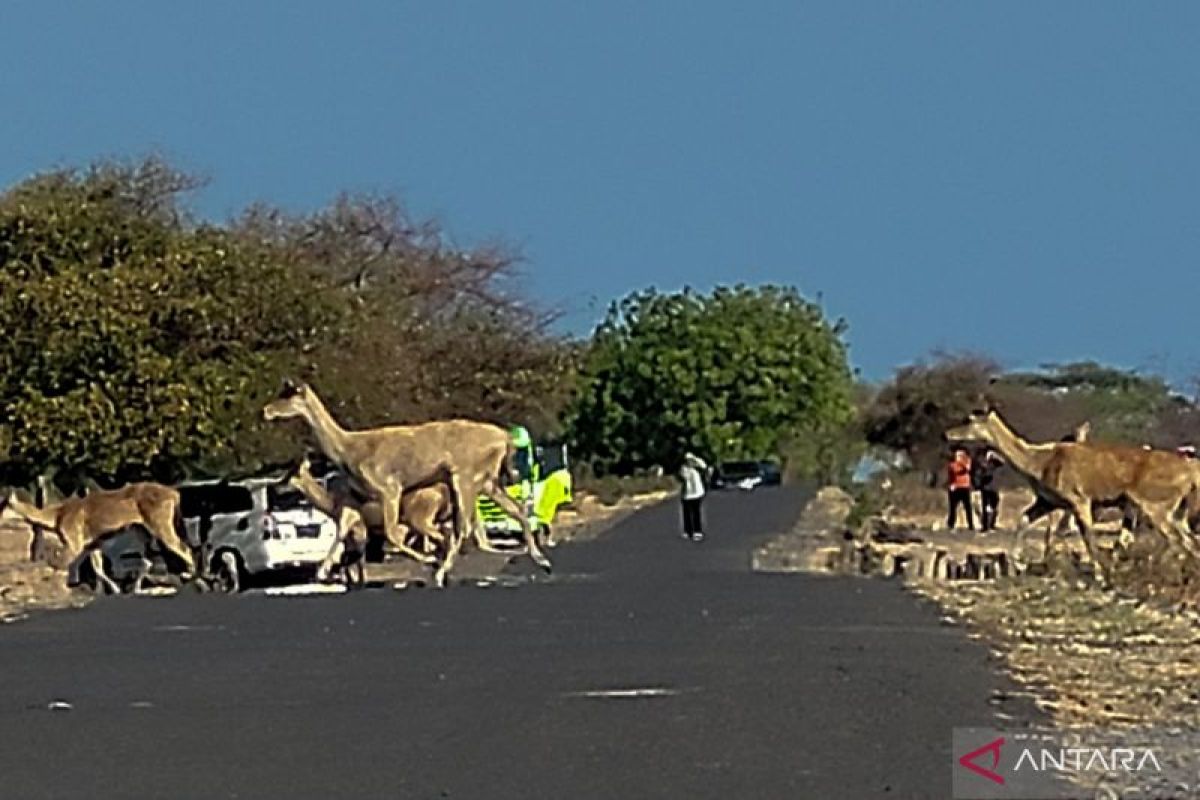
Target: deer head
(292, 401)
(980, 426)
(302, 477)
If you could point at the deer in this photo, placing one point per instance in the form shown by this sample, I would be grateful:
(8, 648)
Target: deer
(1040, 508)
(82, 524)
(466, 455)
(424, 510)
(1078, 475)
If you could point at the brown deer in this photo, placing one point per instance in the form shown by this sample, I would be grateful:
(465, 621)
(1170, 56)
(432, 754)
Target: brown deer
(424, 510)
(83, 523)
(1078, 475)
(466, 455)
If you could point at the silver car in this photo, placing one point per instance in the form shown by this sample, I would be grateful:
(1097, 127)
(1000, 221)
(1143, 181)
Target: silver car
(241, 529)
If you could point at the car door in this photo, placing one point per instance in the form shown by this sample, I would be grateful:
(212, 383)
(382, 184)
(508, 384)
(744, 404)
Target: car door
(226, 516)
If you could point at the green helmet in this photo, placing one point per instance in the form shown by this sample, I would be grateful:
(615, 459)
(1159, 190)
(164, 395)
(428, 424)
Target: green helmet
(520, 436)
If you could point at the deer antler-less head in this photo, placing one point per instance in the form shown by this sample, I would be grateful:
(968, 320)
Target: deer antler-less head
(291, 402)
(979, 427)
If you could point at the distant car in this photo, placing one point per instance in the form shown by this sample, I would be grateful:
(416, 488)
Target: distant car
(243, 528)
(772, 475)
(746, 475)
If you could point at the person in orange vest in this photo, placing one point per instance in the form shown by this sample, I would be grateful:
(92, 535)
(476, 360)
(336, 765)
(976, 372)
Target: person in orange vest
(958, 485)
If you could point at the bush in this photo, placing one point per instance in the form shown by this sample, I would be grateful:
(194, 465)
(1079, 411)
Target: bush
(610, 489)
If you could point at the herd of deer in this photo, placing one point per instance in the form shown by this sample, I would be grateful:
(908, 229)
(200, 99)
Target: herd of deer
(417, 483)
(1080, 476)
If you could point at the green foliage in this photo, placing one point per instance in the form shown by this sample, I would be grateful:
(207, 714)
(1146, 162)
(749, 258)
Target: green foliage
(869, 501)
(134, 338)
(729, 375)
(826, 454)
(143, 343)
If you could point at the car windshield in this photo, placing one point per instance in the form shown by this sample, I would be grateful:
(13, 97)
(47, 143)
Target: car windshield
(281, 498)
(740, 468)
(216, 498)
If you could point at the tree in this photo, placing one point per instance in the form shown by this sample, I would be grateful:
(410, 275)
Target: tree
(730, 374)
(913, 410)
(1121, 404)
(437, 330)
(138, 341)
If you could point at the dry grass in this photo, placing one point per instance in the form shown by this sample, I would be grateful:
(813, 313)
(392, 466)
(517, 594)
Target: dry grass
(24, 585)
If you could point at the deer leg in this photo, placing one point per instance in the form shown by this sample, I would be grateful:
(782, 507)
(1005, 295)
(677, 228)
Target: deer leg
(501, 498)
(1038, 509)
(104, 584)
(331, 560)
(162, 528)
(390, 506)
(349, 524)
(37, 544)
(1082, 510)
(422, 517)
(1163, 521)
(139, 582)
(458, 529)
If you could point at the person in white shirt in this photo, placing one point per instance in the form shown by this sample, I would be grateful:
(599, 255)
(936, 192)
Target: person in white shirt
(691, 475)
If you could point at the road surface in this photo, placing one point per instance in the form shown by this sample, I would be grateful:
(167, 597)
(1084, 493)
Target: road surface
(648, 667)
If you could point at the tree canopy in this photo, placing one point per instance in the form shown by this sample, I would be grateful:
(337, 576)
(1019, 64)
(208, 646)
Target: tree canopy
(134, 336)
(142, 342)
(729, 374)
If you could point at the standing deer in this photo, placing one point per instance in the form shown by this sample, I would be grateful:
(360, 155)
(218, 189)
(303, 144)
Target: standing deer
(468, 456)
(83, 523)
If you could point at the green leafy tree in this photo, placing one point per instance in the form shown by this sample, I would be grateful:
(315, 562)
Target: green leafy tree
(138, 342)
(734, 373)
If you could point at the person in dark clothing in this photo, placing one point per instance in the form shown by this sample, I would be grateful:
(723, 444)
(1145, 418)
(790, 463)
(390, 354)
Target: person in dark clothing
(983, 479)
(958, 485)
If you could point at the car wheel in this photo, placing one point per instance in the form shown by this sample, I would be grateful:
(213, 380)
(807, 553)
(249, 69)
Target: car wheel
(227, 572)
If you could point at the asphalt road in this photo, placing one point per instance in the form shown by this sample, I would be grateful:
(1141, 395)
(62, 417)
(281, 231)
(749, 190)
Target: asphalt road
(649, 666)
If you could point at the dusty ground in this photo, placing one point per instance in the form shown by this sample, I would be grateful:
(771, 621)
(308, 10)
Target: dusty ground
(26, 586)
(1089, 657)
(1092, 659)
(1094, 662)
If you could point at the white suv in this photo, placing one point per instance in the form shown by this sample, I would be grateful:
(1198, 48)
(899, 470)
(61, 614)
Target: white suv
(241, 528)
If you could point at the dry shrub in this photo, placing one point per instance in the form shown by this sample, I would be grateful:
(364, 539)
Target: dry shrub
(611, 489)
(1147, 571)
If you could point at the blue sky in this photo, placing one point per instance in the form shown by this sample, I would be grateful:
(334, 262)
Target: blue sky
(1017, 178)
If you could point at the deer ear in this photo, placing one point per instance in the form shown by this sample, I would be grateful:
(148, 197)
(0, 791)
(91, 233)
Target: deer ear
(289, 388)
